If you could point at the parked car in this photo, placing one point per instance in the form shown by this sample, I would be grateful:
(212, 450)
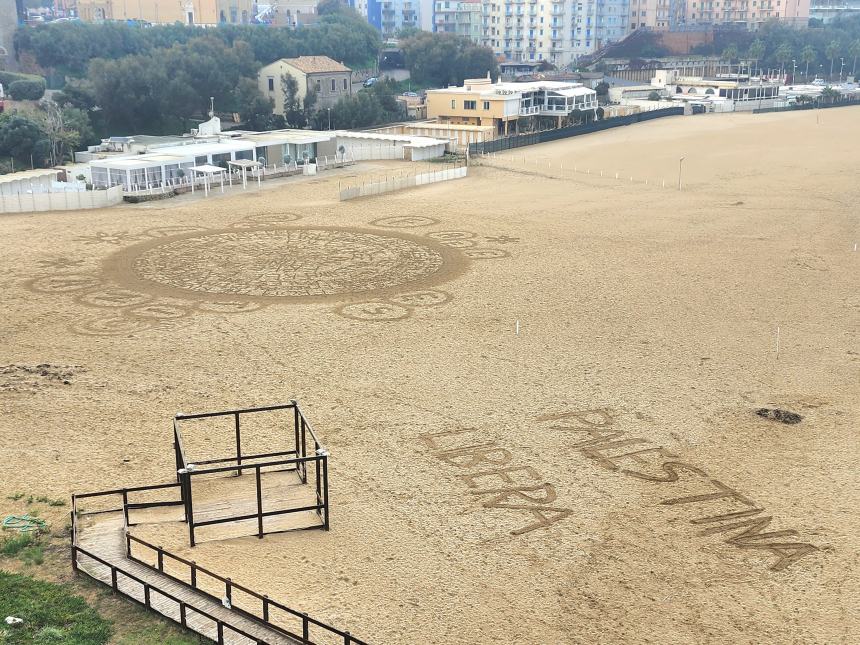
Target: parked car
(412, 94)
(369, 82)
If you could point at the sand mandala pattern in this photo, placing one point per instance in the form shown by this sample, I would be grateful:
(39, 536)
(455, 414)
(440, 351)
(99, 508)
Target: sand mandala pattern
(287, 263)
(165, 274)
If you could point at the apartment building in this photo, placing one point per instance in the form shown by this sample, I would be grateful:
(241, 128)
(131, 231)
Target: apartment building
(460, 17)
(752, 13)
(390, 16)
(481, 102)
(167, 12)
(557, 31)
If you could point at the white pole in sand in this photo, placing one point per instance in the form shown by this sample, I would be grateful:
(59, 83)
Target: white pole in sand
(518, 328)
(777, 342)
(680, 167)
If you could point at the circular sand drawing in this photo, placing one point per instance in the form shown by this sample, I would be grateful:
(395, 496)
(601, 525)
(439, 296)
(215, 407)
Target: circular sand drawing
(266, 263)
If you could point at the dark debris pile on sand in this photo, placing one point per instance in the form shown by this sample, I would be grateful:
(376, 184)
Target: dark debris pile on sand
(31, 378)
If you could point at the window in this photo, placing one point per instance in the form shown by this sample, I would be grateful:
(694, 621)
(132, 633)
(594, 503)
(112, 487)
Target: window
(271, 84)
(344, 84)
(453, 104)
(319, 85)
(470, 105)
(333, 85)
(486, 105)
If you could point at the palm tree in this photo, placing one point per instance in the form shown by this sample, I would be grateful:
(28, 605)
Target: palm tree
(756, 51)
(832, 51)
(783, 55)
(854, 50)
(808, 55)
(729, 54)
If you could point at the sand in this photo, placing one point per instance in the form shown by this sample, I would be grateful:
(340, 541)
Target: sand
(647, 318)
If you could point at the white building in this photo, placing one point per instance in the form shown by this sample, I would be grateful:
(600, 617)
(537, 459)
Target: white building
(557, 31)
(143, 162)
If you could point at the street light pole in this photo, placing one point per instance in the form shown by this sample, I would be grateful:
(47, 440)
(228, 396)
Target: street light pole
(680, 168)
(841, 67)
(793, 71)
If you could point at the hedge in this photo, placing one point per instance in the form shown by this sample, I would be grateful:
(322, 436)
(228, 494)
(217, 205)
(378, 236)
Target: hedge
(7, 78)
(21, 90)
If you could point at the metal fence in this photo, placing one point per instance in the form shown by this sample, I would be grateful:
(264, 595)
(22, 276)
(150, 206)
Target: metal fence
(544, 136)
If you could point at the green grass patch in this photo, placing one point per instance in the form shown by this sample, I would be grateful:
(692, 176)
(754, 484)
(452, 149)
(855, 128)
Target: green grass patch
(16, 544)
(51, 614)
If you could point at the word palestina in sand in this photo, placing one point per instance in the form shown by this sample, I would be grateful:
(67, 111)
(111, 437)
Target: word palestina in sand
(513, 488)
(739, 516)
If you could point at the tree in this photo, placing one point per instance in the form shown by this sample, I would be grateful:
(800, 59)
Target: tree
(653, 95)
(602, 88)
(854, 50)
(783, 55)
(832, 51)
(730, 53)
(254, 109)
(294, 114)
(756, 51)
(442, 59)
(373, 106)
(23, 140)
(808, 55)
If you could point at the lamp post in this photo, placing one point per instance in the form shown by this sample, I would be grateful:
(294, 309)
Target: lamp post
(680, 168)
(841, 67)
(794, 71)
(329, 118)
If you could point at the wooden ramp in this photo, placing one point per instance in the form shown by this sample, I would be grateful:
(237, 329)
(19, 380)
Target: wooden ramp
(102, 555)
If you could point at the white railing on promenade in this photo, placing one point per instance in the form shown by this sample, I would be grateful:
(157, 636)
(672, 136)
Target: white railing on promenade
(401, 182)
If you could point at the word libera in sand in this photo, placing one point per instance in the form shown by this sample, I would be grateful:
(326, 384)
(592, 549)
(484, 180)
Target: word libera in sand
(609, 447)
(451, 447)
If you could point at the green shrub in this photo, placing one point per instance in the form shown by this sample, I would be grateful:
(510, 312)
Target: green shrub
(7, 78)
(16, 544)
(51, 614)
(27, 90)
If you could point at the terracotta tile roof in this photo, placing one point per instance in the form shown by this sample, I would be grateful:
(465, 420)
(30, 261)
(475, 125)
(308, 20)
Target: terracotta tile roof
(316, 64)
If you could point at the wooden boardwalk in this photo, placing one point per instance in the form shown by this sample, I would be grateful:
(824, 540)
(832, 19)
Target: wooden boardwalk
(103, 535)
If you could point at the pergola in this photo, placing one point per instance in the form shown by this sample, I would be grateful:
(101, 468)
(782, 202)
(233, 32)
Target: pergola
(244, 164)
(208, 171)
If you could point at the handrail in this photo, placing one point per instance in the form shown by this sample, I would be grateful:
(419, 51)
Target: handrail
(229, 586)
(203, 415)
(260, 456)
(183, 606)
(224, 469)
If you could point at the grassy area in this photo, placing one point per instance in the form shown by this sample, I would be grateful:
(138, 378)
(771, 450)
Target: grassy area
(51, 614)
(36, 575)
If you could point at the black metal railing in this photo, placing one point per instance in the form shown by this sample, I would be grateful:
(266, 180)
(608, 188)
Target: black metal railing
(298, 458)
(544, 136)
(263, 609)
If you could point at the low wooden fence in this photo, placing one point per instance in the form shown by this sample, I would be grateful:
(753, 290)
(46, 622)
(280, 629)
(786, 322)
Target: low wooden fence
(544, 136)
(401, 182)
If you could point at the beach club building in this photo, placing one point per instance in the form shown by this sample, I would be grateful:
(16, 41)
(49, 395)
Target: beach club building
(173, 160)
(141, 162)
(482, 102)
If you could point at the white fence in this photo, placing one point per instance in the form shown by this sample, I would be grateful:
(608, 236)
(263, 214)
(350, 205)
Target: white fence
(401, 182)
(63, 201)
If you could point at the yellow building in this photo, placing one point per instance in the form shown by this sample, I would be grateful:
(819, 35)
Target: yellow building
(187, 12)
(482, 102)
(327, 78)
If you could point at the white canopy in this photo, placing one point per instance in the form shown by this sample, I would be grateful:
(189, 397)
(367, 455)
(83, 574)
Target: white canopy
(207, 169)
